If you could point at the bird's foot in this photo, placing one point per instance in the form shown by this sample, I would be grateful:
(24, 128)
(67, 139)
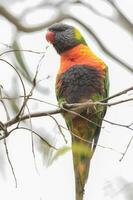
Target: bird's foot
(91, 107)
(63, 105)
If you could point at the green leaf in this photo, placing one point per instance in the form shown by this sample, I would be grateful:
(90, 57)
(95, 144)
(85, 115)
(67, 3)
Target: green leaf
(15, 91)
(60, 152)
(77, 148)
(20, 59)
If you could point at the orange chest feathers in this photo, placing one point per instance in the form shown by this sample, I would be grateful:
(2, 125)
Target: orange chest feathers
(80, 55)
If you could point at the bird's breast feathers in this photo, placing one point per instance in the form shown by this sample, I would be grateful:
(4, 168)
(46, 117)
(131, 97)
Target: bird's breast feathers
(79, 83)
(80, 55)
(81, 75)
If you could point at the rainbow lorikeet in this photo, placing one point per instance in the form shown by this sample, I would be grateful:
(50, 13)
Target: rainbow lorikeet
(82, 76)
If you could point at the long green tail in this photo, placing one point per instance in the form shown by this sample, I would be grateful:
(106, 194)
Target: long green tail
(81, 164)
(82, 155)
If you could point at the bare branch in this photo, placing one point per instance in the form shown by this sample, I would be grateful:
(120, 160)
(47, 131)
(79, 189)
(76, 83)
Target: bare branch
(21, 80)
(90, 142)
(128, 126)
(21, 27)
(102, 46)
(26, 97)
(89, 103)
(55, 5)
(122, 18)
(118, 94)
(60, 16)
(5, 144)
(10, 163)
(122, 21)
(70, 106)
(22, 50)
(126, 149)
(32, 140)
(28, 129)
(92, 8)
(33, 115)
(59, 127)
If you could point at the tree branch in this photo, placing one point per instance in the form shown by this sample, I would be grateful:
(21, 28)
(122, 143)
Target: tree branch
(69, 106)
(123, 19)
(102, 46)
(74, 109)
(60, 16)
(21, 27)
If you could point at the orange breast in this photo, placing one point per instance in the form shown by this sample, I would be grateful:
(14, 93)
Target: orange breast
(81, 55)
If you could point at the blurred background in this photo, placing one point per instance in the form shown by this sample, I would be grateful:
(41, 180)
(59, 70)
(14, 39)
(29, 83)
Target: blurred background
(25, 159)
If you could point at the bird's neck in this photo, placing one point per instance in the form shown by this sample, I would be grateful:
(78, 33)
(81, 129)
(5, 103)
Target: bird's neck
(81, 55)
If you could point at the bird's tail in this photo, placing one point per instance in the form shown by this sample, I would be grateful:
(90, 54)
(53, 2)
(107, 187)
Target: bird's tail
(82, 136)
(81, 162)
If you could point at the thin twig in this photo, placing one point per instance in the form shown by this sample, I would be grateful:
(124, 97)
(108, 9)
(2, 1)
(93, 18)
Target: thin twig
(126, 149)
(10, 163)
(102, 46)
(26, 97)
(118, 94)
(125, 21)
(28, 29)
(32, 140)
(75, 113)
(28, 129)
(59, 127)
(21, 50)
(118, 124)
(20, 78)
(90, 142)
(5, 144)
(94, 10)
(61, 110)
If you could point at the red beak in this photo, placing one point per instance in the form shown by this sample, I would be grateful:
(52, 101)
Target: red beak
(50, 37)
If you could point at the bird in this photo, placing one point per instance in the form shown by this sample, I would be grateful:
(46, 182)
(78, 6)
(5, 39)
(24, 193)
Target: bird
(82, 77)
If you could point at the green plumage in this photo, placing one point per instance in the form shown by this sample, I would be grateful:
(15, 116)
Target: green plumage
(86, 129)
(82, 77)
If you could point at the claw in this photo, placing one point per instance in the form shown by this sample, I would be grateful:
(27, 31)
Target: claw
(91, 108)
(63, 105)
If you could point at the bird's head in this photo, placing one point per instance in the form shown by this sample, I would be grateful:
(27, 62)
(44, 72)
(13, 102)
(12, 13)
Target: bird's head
(64, 37)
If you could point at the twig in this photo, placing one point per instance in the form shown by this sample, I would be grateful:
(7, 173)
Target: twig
(118, 124)
(36, 114)
(42, 101)
(93, 9)
(28, 129)
(28, 29)
(41, 5)
(60, 16)
(124, 19)
(22, 50)
(61, 110)
(26, 97)
(32, 140)
(21, 80)
(59, 127)
(5, 144)
(75, 113)
(31, 92)
(10, 163)
(88, 103)
(118, 94)
(90, 142)
(126, 149)
(102, 46)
